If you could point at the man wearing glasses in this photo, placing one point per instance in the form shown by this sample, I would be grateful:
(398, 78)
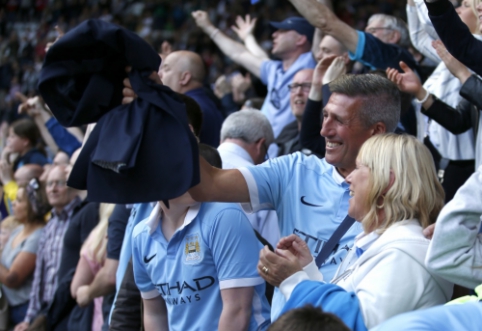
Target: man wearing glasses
(292, 44)
(288, 140)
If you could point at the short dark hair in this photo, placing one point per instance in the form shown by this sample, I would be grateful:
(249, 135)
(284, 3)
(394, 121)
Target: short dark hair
(194, 113)
(211, 155)
(380, 98)
(308, 318)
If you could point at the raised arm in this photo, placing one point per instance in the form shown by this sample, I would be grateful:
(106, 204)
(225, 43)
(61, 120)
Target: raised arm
(454, 34)
(220, 185)
(320, 16)
(234, 50)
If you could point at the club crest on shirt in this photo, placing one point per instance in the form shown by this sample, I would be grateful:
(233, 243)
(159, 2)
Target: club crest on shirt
(192, 250)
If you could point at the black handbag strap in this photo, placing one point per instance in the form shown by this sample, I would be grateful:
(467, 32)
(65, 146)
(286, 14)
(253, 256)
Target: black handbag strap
(334, 239)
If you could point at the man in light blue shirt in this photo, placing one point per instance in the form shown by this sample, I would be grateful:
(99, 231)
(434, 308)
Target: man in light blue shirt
(309, 194)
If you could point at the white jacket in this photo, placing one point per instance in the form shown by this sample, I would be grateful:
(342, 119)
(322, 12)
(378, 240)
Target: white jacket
(390, 278)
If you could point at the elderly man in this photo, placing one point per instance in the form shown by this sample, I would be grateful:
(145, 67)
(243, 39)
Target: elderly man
(64, 201)
(183, 72)
(291, 44)
(245, 137)
(288, 140)
(310, 194)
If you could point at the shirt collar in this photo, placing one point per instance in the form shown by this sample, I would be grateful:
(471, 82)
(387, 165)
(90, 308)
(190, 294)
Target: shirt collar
(66, 212)
(154, 218)
(337, 177)
(364, 241)
(231, 147)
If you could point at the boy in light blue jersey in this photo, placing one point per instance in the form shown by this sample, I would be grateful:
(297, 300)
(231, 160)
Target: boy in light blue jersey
(195, 265)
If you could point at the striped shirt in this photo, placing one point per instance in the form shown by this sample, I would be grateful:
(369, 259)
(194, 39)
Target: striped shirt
(48, 259)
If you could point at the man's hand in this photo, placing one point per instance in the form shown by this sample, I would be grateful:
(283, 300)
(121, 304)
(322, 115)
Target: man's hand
(83, 296)
(318, 74)
(240, 84)
(128, 93)
(335, 70)
(21, 326)
(276, 267)
(407, 82)
(201, 19)
(166, 49)
(6, 171)
(244, 28)
(455, 67)
(297, 247)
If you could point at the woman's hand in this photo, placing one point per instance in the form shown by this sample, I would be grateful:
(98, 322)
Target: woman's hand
(335, 70)
(276, 267)
(296, 246)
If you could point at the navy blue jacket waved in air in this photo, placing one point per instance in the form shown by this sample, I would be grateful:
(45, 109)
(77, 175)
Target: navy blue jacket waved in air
(140, 152)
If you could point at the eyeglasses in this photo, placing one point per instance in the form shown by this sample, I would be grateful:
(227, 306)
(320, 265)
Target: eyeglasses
(305, 87)
(374, 29)
(275, 98)
(59, 183)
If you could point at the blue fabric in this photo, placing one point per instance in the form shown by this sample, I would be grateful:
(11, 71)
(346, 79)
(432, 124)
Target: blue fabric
(376, 54)
(309, 203)
(63, 138)
(331, 298)
(138, 212)
(33, 156)
(17, 313)
(217, 250)
(81, 81)
(276, 106)
(212, 117)
(467, 317)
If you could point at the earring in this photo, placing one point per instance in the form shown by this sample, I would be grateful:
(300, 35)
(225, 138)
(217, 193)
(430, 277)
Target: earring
(382, 205)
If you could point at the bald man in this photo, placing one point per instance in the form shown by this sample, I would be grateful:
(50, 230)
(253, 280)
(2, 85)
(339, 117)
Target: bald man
(183, 72)
(24, 174)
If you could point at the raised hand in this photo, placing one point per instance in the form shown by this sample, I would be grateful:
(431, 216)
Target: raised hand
(455, 67)
(407, 81)
(201, 19)
(321, 69)
(335, 70)
(244, 28)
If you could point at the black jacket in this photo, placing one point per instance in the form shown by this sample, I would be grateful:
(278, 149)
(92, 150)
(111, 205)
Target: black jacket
(140, 152)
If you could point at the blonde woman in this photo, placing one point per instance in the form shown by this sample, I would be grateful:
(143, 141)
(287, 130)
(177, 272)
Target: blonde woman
(395, 195)
(92, 257)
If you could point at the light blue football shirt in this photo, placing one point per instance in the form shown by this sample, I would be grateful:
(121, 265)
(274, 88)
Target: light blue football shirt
(214, 249)
(311, 200)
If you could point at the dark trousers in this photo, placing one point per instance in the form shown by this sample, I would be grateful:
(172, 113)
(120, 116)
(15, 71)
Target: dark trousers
(456, 173)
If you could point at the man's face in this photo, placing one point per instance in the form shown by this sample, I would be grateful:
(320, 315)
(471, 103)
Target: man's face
(284, 42)
(300, 88)
(343, 131)
(328, 46)
(58, 194)
(379, 30)
(22, 176)
(169, 72)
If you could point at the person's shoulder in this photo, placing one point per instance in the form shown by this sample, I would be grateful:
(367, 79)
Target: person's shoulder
(140, 229)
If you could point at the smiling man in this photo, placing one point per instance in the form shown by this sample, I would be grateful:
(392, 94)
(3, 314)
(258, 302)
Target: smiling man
(309, 194)
(288, 140)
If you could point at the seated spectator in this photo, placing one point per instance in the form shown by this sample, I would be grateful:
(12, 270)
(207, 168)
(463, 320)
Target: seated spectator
(215, 293)
(61, 158)
(23, 139)
(454, 254)
(395, 195)
(20, 252)
(92, 258)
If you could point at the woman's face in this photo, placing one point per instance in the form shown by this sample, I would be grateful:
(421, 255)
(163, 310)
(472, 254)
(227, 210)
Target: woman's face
(15, 143)
(468, 16)
(479, 14)
(359, 188)
(20, 206)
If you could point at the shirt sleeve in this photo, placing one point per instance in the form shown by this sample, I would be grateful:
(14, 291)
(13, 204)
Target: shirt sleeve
(421, 31)
(63, 138)
(235, 250)
(115, 231)
(265, 70)
(267, 182)
(141, 276)
(32, 243)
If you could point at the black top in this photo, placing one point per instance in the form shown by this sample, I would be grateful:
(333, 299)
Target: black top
(115, 231)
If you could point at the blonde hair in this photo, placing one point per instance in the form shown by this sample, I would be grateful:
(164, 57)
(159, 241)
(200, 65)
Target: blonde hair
(473, 6)
(96, 244)
(415, 192)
